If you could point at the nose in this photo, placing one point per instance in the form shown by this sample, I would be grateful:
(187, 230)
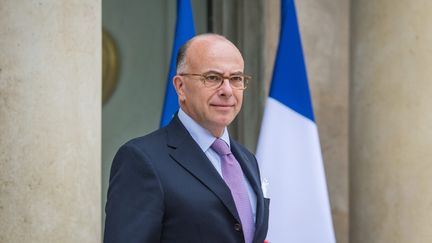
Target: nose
(225, 89)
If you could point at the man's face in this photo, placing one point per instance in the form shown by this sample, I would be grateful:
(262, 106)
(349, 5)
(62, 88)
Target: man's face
(212, 108)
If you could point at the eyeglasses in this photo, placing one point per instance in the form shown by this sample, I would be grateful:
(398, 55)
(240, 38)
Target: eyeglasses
(215, 80)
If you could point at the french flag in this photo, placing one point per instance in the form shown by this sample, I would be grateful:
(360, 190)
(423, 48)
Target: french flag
(184, 30)
(289, 150)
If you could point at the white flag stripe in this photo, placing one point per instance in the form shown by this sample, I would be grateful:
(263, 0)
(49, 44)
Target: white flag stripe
(290, 159)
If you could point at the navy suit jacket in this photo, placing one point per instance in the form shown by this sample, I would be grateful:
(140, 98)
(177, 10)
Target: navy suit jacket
(164, 189)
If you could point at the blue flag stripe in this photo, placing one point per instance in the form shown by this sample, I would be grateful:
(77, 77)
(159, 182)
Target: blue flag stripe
(289, 83)
(184, 31)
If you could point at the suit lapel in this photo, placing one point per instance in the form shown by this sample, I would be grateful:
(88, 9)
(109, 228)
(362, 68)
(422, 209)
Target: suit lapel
(186, 152)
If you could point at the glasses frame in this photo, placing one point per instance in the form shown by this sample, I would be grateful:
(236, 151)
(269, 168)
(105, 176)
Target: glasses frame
(204, 75)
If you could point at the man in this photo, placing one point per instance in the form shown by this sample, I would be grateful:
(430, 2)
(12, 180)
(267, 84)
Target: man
(181, 183)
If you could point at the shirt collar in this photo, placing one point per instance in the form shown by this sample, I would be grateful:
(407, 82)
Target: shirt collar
(201, 135)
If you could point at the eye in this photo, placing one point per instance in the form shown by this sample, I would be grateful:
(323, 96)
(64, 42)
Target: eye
(213, 78)
(236, 78)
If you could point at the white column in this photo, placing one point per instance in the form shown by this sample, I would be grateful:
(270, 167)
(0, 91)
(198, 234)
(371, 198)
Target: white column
(50, 109)
(391, 122)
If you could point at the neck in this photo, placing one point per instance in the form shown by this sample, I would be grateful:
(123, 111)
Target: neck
(216, 132)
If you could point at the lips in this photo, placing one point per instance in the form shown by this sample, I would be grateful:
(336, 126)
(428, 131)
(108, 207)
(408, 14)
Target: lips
(222, 105)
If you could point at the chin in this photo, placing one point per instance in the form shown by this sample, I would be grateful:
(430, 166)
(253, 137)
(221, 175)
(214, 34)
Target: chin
(224, 121)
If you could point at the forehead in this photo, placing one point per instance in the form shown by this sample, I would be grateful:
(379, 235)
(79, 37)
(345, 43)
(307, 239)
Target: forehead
(217, 53)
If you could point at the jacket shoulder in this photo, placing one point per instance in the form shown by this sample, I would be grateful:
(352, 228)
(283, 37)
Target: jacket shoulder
(152, 139)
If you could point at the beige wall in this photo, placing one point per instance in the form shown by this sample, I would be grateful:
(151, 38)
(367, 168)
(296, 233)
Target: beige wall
(50, 106)
(391, 121)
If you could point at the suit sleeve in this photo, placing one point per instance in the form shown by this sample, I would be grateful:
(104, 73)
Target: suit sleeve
(134, 209)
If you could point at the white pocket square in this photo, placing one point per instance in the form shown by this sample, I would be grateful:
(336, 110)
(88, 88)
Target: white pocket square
(265, 188)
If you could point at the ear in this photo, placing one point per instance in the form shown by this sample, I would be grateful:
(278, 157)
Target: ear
(178, 84)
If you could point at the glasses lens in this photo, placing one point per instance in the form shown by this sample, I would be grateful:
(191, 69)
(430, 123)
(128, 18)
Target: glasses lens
(237, 81)
(213, 80)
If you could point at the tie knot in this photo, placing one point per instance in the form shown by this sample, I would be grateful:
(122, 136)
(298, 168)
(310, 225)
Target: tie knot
(220, 147)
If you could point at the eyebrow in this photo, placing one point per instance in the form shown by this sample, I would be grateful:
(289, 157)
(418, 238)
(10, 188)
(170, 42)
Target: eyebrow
(216, 72)
(239, 72)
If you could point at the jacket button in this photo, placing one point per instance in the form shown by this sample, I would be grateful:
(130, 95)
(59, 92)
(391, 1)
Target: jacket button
(237, 227)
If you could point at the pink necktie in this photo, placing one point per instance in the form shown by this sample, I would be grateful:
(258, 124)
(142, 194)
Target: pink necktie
(234, 178)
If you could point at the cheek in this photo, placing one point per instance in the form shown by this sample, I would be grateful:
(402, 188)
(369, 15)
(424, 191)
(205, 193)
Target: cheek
(200, 101)
(192, 94)
(239, 98)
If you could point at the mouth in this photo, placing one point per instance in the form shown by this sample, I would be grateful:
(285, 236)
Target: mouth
(222, 106)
